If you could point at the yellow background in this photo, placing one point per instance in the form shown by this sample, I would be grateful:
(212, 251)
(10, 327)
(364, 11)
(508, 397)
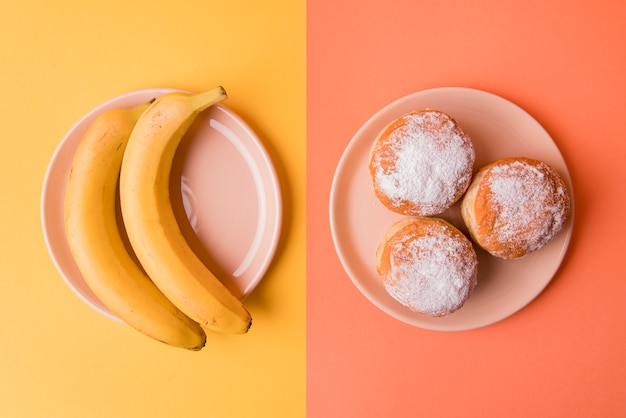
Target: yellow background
(58, 357)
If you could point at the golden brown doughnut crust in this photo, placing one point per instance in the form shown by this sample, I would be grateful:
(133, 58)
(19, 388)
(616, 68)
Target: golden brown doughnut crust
(427, 265)
(515, 206)
(421, 163)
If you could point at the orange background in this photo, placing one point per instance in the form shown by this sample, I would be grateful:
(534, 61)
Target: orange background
(564, 63)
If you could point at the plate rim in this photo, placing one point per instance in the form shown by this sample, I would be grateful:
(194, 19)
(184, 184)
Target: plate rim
(353, 143)
(268, 168)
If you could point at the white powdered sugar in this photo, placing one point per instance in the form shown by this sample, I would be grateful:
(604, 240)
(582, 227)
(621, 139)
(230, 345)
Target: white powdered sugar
(430, 162)
(529, 206)
(431, 274)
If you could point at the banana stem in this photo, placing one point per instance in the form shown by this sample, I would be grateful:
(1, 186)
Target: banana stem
(208, 98)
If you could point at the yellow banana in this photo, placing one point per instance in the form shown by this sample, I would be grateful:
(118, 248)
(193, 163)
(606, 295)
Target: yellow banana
(150, 221)
(97, 241)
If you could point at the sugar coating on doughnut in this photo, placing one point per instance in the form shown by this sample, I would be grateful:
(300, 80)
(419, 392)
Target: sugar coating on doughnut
(422, 163)
(525, 206)
(432, 267)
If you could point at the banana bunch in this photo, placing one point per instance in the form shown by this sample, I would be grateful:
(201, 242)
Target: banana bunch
(143, 269)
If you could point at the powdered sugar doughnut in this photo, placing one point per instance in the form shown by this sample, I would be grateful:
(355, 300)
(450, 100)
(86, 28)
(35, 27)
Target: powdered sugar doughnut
(421, 163)
(515, 206)
(427, 265)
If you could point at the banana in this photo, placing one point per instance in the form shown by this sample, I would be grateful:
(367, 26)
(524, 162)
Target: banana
(149, 218)
(98, 244)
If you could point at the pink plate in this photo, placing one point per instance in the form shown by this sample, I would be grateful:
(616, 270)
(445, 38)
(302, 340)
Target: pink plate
(227, 198)
(358, 221)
